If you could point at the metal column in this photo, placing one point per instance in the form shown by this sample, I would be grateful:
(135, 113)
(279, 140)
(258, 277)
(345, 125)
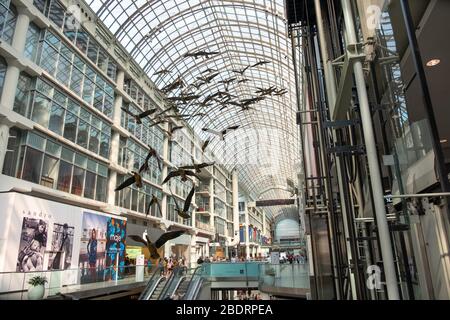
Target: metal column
(372, 158)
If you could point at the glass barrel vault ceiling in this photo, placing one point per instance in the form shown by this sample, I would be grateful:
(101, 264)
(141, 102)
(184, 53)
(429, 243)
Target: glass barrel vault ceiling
(265, 150)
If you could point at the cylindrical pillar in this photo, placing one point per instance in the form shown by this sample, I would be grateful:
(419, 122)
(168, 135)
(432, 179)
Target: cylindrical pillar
(372, 158)
(12, 78)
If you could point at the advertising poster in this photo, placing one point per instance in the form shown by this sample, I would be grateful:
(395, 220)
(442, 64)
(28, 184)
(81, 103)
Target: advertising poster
(93, 247)
(102, 247)
(33, 241)
(62, 247)
(115, 247)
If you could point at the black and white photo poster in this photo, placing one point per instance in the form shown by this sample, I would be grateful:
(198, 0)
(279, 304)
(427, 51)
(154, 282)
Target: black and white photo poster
(33, 242)
(62, 245)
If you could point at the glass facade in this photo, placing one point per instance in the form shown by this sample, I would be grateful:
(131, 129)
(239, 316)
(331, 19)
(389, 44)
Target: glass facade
(64, 20)
(71, 101)
(42, 160)
(72, 71)
(41, 102)
(8, 16)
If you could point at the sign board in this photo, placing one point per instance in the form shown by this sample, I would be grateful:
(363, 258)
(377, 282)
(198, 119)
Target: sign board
(140, 260)
(275, 257)
(275, 202)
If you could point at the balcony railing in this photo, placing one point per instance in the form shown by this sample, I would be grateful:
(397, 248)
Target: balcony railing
(14, 285)
(204, 226)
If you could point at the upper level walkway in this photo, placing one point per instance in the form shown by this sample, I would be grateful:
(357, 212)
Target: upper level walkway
(290, 280)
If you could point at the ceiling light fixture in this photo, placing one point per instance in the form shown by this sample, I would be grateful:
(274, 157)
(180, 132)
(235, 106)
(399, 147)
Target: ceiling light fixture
(443, 141)
(433, 62)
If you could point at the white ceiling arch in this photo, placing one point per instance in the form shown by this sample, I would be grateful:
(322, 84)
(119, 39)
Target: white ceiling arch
(157, 33)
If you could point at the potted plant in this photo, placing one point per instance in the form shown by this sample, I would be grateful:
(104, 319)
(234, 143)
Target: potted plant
(37, 289)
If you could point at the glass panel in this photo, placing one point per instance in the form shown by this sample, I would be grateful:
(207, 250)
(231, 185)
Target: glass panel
(56, 119)
(82, 40)
(31, 46)
(53, 148)
(63, 73)
(92, 51)
(56, 14)
(102, 60)
(64, 176)
(76, 80)
(88, 90)
(32, 165)
(83, 134)
(49, 171)
(67, 154)
(49, 56)
(134, 199)
(41, 110)
(141, 202)
(104, 145)
(89, 190)
(101, 189)
(22, 94)
(70, 126)
(78, 181)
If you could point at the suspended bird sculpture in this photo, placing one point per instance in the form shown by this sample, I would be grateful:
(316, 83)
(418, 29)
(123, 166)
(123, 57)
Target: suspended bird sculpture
(180, 173)
(267, 91)
(227, 82)
(135, 178)
(280, 92)
(208, 79)
(151, 203)
(163, 71)
(158, 120)
(260, 63)
(198, 84)
(172, 130)
(153, 247)
(250, 101)
(197, 166)
(241, 72)
(183, 98)
(222, 133)
(187, 203)
(209, 70)
(140, 116)
(205, 144)
(178, 83)
(200, 53)
(151, 153)
(243, 80)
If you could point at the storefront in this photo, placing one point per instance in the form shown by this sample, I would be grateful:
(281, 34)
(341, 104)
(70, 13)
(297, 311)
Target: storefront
(42, 235)
(134, 248)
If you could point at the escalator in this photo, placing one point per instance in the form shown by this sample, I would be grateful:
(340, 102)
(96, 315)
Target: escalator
(184, 285)
(158, 289)
(154, 286)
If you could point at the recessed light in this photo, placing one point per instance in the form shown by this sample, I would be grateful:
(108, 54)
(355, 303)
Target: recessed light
(443, 141)
(433, 62)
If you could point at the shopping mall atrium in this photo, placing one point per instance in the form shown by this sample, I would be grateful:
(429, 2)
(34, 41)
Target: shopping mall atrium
(224, 150)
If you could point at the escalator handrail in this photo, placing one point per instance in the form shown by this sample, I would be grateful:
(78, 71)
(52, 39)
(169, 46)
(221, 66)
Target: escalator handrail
(198, 273)
(158, 282)
(196, 285)
(180, 281)
(177, 272)
(149, 285)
